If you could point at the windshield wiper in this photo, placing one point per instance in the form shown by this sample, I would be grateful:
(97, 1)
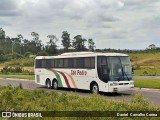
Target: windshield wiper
(124, 73)
(126, 76)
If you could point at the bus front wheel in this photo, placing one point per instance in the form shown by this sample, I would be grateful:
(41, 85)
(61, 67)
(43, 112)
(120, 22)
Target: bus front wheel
(55, 84)
(94, 88)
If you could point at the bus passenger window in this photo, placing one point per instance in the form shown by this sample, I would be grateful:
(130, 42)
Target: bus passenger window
(60, 63)
(44, 63)
(52, 63)
(38, 63)
(66, 63)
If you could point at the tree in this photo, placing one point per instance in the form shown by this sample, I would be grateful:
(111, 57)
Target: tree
(7, 45)
(36, 41)
(79, 43)
(16, 45)
(91, 45)
(66, 40)
(20, 38)
(51, 47)
(2, 34)
(2, 40)
(152, 46)
(25, 46)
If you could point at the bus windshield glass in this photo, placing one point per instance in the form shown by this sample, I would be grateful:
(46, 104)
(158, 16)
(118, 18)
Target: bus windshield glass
(119, 68)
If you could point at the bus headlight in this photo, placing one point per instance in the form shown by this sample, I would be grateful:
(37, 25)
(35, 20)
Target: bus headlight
(131, 83)
(113, 84)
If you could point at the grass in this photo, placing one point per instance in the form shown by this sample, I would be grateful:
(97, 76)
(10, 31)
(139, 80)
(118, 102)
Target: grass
(19, 62)
(19, 99)
(143, 83)
(26, 63)
(146, 64)
(29, 77)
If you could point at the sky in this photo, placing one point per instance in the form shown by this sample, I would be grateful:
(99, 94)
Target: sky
(117, 24)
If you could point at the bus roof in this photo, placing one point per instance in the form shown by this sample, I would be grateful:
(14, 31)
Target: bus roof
(80, 54)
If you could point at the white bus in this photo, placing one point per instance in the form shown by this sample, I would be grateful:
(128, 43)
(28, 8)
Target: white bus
(106, 72)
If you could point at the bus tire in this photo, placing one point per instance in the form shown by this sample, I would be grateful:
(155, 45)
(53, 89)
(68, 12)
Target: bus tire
(94, 88)
(48, 84)
(55, 84)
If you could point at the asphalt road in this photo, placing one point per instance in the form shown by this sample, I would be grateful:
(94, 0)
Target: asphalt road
(153, 96)
(147, 77)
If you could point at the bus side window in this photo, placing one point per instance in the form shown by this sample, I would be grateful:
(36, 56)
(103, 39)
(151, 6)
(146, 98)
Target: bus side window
(102, 68)
(77, 62)
(93, 63)
(56, 63)
(38, 63)
(87, 62)
(44, 63)
(71, 63)
(66, 63)
(60, 63)
(52, 63)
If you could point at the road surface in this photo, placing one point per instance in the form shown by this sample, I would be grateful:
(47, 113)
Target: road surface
(147, 77)
(152, 95)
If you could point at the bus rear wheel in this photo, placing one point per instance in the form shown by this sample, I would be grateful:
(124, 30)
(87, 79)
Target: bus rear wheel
(94, 88)
(48, 84)
(55, 84)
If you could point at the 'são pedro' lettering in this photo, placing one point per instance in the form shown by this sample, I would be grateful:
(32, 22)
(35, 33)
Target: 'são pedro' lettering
(79, 72)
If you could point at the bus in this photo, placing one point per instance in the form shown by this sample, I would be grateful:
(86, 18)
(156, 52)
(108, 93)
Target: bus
(105, 72)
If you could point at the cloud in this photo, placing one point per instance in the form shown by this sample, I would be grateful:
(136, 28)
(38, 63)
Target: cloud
(9, 8)
(7, 5)
(127, 23)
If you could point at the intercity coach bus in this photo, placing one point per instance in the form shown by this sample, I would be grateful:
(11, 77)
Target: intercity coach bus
(106, 72)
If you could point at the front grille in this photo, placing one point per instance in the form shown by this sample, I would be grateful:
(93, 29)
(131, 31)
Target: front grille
(123, 83)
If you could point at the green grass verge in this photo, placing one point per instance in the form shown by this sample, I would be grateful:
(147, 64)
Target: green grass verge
(19, 99)
(29, 77)
(143, 83)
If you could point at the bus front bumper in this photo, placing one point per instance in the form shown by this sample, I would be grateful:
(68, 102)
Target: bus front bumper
(120, 88)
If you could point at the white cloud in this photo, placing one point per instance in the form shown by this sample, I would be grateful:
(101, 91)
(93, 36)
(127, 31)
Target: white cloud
(111, 23)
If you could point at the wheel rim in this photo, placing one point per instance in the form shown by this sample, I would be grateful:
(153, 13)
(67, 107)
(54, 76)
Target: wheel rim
(55, 85)
(48, 84)
(95, 89)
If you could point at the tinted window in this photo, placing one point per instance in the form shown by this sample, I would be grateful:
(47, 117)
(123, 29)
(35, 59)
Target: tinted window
(38, 63)
(52, 63)
(78, 62)
(44, 63)
(66, 63)
(89, 62)
(93, 62)
(102, 68)
(58, 63)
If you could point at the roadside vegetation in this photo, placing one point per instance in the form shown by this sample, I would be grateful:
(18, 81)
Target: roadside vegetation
(142, 83)
(12, 99)
(18, 66)
(146, 63)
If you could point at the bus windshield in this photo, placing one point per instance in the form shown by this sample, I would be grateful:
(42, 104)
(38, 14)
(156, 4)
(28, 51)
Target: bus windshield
(119, 68)
(116, 68)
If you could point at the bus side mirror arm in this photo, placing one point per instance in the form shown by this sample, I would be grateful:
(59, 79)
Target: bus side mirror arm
(132, 70)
